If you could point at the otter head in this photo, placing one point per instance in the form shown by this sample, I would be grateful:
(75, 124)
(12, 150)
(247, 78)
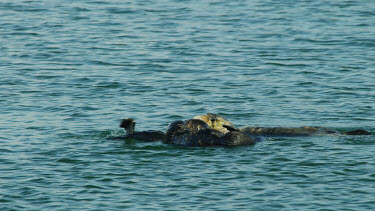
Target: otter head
(196, 124)
(216, 121)
(128, 125)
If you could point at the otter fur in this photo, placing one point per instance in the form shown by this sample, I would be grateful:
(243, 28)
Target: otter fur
(197, 133)
(218, 122)
(129, 126)
(297, 131)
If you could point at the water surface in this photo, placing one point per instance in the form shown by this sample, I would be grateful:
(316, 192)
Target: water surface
(70, 71)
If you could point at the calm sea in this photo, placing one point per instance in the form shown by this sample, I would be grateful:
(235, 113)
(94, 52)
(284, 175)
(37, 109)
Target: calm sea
(71, 70)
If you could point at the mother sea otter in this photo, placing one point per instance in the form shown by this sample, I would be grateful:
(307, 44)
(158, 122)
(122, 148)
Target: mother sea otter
(215, 130)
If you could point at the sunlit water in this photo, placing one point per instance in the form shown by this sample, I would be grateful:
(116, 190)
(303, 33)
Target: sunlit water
(70, 70)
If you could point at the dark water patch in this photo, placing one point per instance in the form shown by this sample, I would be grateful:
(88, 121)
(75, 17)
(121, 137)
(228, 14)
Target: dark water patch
(109, 85)
(116, 10)
(285, 64)
(92, 187)
(69, 161)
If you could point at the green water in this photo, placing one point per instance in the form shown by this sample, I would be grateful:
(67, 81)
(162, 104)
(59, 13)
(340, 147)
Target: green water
(71, 70)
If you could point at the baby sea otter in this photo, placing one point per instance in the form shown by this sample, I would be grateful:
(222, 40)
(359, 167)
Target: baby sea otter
(297, 131)
(218, 122)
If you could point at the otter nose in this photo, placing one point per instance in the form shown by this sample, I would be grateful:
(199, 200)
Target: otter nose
(213, 119)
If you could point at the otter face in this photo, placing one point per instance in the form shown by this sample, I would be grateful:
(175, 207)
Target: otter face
(196, 124)
(128, 125)
(176, 125)
(216, 121)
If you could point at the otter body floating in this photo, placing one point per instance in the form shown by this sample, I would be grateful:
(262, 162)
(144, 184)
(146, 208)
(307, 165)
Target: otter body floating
(218, 122)
(215, 130)
(297, 131)
(197, 133)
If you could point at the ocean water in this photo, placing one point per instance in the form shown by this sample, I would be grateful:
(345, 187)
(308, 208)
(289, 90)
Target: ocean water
(71, 70)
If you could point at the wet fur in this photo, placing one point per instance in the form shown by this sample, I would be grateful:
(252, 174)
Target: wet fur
(129, 126)
(197, 133)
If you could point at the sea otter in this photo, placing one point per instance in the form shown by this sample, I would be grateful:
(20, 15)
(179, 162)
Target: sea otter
(297, 131)
(191, 133)
(197, 133)
(215, 130)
